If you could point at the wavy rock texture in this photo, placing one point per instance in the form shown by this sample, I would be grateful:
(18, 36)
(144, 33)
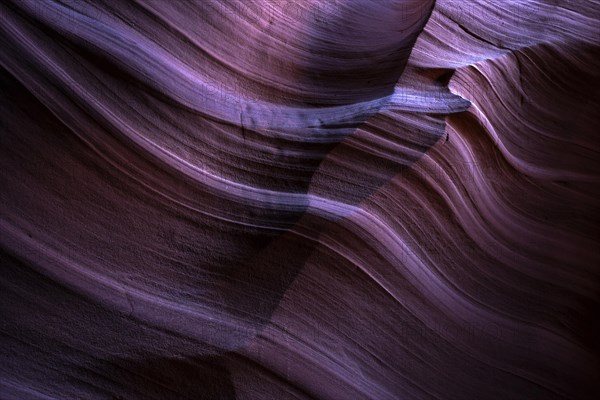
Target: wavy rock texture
(290, 200)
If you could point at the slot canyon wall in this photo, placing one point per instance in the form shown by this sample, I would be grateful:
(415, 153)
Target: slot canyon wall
(285, 199)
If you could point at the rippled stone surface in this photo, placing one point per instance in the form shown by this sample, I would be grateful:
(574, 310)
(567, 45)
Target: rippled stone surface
(227, 199)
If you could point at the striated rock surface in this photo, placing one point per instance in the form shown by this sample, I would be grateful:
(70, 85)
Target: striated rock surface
(263, 199)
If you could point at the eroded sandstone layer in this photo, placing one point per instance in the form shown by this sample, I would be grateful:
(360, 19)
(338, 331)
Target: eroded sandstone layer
(285, 199)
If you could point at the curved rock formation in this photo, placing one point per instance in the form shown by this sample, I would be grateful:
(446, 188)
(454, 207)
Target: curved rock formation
(346, 199)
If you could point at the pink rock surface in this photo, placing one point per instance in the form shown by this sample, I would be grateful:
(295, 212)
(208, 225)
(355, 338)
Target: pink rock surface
(345, 199)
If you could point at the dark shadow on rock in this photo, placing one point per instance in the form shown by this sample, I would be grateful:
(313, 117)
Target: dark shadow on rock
(164, 378)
